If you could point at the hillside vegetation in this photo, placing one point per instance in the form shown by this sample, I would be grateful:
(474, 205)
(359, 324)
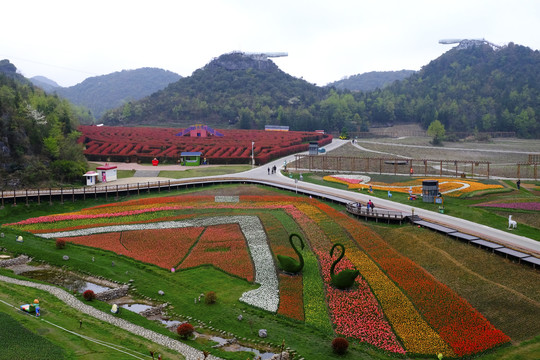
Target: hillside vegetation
(473, 89)
(371, 80)
(37, 135)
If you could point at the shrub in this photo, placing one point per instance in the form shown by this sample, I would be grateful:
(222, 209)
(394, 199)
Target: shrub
(89, 295)
(210, 297)
(60, 244)
(340, 345)
(185, 330)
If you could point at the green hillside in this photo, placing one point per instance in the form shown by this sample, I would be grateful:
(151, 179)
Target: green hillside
(37, 135)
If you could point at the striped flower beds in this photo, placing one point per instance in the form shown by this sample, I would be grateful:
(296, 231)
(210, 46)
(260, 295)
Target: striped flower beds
(395, 305)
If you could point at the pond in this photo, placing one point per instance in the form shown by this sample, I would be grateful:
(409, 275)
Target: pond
(136, 308)
(65, 279)
(227, 345)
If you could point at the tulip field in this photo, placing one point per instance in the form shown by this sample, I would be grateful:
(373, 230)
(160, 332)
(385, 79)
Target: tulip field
(107, 143)
(395, 305)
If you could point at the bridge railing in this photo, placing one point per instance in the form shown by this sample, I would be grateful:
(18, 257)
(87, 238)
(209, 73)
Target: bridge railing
(361, 210)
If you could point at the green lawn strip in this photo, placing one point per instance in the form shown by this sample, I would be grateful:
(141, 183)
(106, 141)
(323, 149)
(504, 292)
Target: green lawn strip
(522, 351)
(17, 340)
(58, 313)
(204, 171)
(315, 309)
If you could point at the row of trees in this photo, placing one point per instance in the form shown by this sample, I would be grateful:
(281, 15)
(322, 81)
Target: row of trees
(466, 90)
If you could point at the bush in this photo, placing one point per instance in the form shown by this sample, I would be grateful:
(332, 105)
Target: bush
(89, 295)
(340, 345)
(185, 330)
(210, 297)
(60, 244)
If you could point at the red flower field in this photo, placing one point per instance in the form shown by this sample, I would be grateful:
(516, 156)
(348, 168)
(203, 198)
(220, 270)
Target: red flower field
(106, 143)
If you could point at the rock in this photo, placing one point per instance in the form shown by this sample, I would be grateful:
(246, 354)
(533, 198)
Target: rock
(160, 292)
(263, 333)
(65, 257)
(283, 356)
(20, 238)
(2, 235)
(240, 317)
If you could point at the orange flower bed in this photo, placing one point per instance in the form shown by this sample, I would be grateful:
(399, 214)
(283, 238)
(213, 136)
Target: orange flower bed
(223, 246)
(161, 247)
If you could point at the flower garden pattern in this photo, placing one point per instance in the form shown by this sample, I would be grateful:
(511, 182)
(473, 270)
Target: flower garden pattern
(123, 143)
(447, 186)
(395, 305)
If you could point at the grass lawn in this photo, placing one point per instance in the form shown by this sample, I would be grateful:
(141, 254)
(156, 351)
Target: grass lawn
(52, 337)
(200, 171)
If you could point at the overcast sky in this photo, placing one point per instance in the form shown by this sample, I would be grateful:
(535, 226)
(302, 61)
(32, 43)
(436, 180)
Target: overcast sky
(71, 40)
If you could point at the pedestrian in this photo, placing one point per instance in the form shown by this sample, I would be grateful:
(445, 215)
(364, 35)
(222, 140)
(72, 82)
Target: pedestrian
(268, 171)
(518, 183)
(411, 172)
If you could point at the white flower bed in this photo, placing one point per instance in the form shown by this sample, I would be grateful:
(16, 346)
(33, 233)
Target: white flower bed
(265, 297)
(360, 178)
(231, 199)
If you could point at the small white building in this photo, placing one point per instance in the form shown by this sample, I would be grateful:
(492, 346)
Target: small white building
(91, 178)
(107, 173)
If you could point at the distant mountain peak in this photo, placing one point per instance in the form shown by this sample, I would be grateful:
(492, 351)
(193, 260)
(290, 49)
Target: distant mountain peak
(45, 83)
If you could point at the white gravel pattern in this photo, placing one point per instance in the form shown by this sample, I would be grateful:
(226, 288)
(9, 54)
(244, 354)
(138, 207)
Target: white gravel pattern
(186, 350)
(265, 297)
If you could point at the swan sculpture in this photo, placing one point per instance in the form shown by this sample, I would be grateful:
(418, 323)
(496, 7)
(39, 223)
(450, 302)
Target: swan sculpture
(345, 278)
(287, 263)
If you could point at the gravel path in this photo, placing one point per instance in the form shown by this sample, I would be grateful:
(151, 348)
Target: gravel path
(186, 350)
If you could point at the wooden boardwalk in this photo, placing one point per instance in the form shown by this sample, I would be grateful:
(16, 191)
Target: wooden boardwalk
(377, 214)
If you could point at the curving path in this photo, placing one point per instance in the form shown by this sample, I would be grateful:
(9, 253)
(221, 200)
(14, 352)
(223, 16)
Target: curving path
(186, 350)
(508, 239)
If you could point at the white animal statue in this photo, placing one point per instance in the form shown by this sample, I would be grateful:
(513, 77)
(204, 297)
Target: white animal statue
(511, 223)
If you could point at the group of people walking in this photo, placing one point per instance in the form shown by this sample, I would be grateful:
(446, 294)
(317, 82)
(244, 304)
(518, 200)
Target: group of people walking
(369, 206)
(273, 170)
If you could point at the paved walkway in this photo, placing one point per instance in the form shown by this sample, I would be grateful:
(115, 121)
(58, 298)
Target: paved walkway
(186, 350)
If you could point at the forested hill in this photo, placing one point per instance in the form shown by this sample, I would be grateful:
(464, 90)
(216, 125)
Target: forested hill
(231, 88)
(475, 88)
(37, 135)
(371, 80)
(102, 93)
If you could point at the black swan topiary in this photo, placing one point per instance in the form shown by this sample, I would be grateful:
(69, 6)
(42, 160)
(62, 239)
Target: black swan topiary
(345, 278)
(287, 263)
